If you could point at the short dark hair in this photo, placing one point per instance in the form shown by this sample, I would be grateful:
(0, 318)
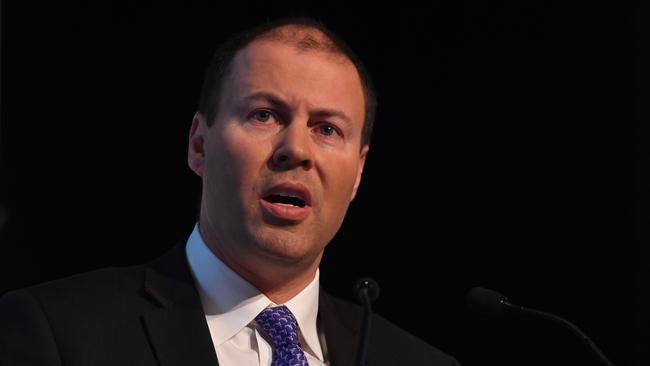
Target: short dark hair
(218, 69)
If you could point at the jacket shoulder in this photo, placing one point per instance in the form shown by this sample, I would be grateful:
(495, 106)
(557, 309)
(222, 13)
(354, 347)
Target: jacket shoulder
(85, 300)
(390, 344)
(97, 286)
(71, 318)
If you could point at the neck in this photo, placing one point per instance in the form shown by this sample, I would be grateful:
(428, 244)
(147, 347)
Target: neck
(279, 279)
(279, 288)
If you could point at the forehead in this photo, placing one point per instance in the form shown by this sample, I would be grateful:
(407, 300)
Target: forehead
(311, 78)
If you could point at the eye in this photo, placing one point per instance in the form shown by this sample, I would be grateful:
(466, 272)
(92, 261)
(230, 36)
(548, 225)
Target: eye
(262, 115)
(327, 130)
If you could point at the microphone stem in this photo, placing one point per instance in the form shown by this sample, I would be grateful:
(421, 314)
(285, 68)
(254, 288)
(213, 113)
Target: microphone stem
(365, 327)
(591, 346)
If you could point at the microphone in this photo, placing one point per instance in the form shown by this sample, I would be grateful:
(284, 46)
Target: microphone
(488, 302)
(367, 290)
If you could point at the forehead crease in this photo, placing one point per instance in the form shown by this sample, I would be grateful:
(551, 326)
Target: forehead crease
(258, 69)
(251, 70)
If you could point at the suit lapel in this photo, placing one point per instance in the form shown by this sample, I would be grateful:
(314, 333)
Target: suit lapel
(340, 323)
(179, 334)
(177, 330)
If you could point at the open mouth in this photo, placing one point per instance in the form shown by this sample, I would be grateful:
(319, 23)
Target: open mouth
(288, 202)
(285, 200)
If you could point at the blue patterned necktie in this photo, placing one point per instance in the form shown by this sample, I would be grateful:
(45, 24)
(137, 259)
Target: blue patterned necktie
(281, 326)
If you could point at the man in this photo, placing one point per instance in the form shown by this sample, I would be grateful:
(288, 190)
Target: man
(279, 141)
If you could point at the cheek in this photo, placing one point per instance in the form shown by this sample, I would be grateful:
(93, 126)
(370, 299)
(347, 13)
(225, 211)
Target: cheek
(341, 183)
(241, 161)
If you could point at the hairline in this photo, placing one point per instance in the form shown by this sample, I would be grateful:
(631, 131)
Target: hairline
(299, 40)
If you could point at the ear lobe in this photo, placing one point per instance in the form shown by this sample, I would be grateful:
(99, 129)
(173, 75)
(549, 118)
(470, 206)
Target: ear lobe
(362, 162)
(195, 150)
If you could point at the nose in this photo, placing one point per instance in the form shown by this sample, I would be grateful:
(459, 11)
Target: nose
(293, 148)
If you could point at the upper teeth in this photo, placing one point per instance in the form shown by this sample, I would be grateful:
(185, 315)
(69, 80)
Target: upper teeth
(287, 194)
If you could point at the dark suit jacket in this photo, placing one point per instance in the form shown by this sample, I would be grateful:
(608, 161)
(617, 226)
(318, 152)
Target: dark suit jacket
(152, 315)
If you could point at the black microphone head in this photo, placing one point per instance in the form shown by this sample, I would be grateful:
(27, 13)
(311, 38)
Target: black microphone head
(367, 283)
(485, 301)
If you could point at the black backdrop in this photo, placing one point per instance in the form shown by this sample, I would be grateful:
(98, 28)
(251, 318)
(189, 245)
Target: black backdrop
(509, 152)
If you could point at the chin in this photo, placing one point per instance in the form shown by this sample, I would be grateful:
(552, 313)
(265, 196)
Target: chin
(288, 248)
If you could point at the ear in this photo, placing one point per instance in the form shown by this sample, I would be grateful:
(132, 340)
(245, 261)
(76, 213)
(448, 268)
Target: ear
(362, 162)
(195, 150)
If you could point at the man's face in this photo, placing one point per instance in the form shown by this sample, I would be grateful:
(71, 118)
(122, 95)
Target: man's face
(283, 160)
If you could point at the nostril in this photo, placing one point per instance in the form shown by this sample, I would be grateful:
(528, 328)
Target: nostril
(284, 160)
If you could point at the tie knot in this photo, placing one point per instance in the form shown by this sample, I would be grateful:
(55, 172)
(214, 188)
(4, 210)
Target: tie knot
(280, 324)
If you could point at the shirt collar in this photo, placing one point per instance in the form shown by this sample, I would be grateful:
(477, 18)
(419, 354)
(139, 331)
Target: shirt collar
(230, 302)
(304, 307)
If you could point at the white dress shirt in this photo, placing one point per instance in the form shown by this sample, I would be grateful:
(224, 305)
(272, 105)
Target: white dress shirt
(231, 304)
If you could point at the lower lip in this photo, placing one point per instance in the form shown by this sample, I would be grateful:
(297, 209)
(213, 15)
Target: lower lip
(287, 213)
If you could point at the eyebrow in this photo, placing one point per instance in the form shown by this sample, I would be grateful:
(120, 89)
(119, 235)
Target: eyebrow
(277, 102)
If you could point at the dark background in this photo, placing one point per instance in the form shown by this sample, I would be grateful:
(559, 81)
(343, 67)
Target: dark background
(510, 152)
